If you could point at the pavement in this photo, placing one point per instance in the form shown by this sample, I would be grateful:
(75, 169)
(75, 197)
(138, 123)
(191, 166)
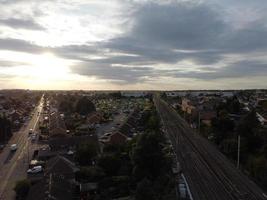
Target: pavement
(14, 165)
(209, 174)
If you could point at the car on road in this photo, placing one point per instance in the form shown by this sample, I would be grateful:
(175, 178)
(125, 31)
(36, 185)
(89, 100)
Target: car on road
(13, 147)
(35, 170)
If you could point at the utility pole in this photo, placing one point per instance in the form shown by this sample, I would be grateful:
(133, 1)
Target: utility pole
(28, 152)
(238, 152)
(199, 122)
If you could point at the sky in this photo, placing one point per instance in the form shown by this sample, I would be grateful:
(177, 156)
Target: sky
(133, 44)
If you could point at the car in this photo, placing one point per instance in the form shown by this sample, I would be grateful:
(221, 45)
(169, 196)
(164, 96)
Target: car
(13, 147)
(35, 170)
(2, 146)
(30, 131)
(35, 163)
(33, 137)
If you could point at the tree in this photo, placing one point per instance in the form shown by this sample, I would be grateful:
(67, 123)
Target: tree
(233, 105)
(258, 168)
(150, 120)
(110, 164)
(248, 124)
(115, 95)
(22, 188)
(85, 153)
(5, 129)
(148, 156)
(248, 129)
(84, 106)
(65, 106)
(222, 126)
(89, 174)
(144, 190)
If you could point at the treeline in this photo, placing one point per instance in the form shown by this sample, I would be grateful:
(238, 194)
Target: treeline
(5, 129)
(80, 105)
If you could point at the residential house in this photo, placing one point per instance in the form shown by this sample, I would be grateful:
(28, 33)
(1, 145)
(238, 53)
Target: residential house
(58, 181)
(94, 118)
(188, 106)
(57, 126)
(207, 116)
(113, 138)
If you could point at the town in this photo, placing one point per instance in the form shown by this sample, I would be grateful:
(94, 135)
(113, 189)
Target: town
(117, 145)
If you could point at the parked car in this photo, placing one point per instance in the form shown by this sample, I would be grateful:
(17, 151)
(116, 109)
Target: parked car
(30, 131)
(35, 163)
(13, 147)
(35, 170)
(33, 137)
(2, 146)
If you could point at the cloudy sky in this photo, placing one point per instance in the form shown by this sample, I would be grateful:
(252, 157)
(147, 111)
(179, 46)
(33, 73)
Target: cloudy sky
(133, 44)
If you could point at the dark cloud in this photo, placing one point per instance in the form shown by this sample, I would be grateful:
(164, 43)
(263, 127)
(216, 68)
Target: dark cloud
(178, 25)
(248, 39)
(21, 24)
(124, 75)
(240, 69)
(10, 63)
(20, 45)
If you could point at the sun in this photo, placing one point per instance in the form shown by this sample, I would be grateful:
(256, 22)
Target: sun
(48, 67)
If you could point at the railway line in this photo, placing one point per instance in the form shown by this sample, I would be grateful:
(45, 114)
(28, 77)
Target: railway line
(210, 175)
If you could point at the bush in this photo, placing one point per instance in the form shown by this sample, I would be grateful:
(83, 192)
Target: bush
(22, 188)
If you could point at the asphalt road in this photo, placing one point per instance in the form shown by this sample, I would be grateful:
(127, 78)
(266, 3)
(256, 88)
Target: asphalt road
(210, 175)
(13, 165)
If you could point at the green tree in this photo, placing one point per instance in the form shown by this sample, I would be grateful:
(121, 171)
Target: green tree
(248, 129)
(84, 106)
(85, 153)
(248, 124)
(258, 168)
(22, 188)
(65, 106)
(110, 164)
(148, 156)
(90, 174)
(5, 129)
(144, 190)
(222, 126)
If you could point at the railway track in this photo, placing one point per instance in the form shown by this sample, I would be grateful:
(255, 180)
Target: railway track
(209, 173)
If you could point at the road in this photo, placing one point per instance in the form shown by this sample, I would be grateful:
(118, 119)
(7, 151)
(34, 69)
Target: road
(210, 175)
(13, 166)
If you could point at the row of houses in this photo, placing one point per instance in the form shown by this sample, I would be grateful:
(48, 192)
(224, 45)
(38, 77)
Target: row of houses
(58, 180)
(200, 106)
(125, 131)
(15, 107)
